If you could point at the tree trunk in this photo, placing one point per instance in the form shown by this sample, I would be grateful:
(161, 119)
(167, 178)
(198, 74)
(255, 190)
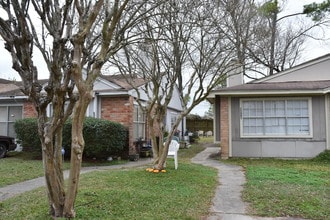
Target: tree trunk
(52, 161)
(156, 130)
(273, 40)
(77, 147)
(165, 146)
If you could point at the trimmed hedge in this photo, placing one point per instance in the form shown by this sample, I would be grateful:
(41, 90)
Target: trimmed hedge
(27, 134)
(103, 138)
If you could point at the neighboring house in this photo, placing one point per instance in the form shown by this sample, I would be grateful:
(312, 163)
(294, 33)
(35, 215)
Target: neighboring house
(285, 115)
(113, 99)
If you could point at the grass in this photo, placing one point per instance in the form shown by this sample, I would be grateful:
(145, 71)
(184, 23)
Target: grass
(128, 194)
(297, 188)
(21, 166)
(132, 193)
(17, 168)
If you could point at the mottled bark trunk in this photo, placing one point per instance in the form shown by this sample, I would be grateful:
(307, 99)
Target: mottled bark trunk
(162, 158)
(52, 161)
(163, 154)
(77, 147)
(156, 135)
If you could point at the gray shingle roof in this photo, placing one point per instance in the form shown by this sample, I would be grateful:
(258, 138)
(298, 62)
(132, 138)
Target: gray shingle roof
(298, 85)
(121, 81)
(275, 89)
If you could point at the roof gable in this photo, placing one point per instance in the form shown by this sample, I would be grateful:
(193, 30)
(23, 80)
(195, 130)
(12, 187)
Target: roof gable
(313, 70)
(121, 81)
(312, 77)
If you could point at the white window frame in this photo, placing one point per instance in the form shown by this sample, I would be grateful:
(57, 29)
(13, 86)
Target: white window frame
(173, 118)
(138, 123)
(286, 135)
(9, 120)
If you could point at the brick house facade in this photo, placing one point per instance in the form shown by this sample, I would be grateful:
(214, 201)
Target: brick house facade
(28, 110)
(224, 132)
(113, 99)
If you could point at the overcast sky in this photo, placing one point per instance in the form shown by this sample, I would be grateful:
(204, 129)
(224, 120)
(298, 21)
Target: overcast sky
(313, 49)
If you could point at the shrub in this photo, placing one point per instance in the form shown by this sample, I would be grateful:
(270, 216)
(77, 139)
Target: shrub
(323, 157)
(27, 134)
(103, 138)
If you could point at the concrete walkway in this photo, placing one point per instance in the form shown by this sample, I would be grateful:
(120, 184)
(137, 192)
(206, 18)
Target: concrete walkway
(227, 203)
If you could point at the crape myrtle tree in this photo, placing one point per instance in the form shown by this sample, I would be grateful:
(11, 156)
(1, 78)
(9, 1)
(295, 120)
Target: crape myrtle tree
(182, 49)
(75, 39)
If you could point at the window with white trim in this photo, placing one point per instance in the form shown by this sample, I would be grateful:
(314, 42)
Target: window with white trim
(275, 117)
(139, 122)
(174, 117)
(8, 116)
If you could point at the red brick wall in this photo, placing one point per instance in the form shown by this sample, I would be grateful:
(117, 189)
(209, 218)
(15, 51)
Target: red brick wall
(119, 109)
(224, 127)
(28, 110)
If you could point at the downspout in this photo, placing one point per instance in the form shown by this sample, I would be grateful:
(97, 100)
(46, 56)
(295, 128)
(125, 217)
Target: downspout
(95, 105)
(229, 128)
(327, 123)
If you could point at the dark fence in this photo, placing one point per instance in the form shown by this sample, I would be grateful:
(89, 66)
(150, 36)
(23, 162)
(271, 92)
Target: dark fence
(196, 123)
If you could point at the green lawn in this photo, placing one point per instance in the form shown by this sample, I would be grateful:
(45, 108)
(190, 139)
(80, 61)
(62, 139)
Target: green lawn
(297, 188)
(133, 193)
(20, 166)
(16, 168)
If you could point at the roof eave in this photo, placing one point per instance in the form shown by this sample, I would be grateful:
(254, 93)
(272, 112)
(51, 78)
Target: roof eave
(112, 93)
(269, 92)
(12, 97)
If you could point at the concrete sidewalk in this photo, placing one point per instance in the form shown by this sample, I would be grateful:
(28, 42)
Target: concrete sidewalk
(227, 203)
(18, 188)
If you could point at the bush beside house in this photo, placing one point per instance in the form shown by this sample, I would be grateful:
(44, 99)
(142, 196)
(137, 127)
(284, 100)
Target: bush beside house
(103, 138)
(27, 134)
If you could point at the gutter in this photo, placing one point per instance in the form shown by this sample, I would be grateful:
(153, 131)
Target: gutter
(270, 92)
(12, 97)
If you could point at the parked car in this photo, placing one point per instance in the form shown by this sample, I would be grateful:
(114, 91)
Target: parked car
(6, 144)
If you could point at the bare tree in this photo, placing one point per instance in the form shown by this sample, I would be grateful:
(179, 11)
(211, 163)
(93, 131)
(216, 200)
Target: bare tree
(238, 19)
(75, 39)
(264, 40)
(182, 49)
